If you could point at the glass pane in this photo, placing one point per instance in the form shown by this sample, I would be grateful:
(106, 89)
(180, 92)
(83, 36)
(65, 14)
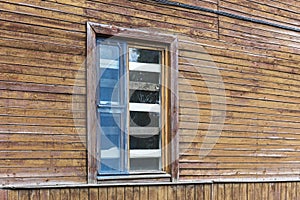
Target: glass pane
(144, 142)
(140, 96)
(110, 142)
(109, 52)
(148, 77)
(143, 119)
(144, 55)
(144, 163)
(109, 73)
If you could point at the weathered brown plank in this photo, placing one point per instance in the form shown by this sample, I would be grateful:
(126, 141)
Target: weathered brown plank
(75, 193)
(112, 193)
(55, 194)
(144, 192)
(65, 194)
(129, 193)
(103, 193)
(258, 10)
(228, 192)
(190, 192)
(199, 191)
(136, 193)
(3, 194)
(14, 195)
(84, 194)
(207, 191)
(243, 191)
(93, 193)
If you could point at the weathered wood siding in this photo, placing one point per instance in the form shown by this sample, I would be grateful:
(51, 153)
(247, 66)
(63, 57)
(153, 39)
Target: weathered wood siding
(227, 191)
(42, 98)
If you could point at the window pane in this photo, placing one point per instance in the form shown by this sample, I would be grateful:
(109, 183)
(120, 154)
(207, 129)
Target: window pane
(109, 52)
(109, 73)
(148, 77)
(140, 96)
(144, 55)
(111, 143)
(143, 119)
(144, 163)
(144, 142)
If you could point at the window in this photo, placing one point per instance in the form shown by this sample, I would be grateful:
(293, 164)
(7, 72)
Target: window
(131, 103)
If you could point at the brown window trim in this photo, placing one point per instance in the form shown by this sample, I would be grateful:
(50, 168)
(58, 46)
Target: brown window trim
(94, 29)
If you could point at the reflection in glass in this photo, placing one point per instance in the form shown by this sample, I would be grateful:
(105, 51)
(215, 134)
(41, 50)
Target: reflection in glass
(110, 142)
(141, 96)
(148, 77)
(109, 52)
(144, 55)
(109, 73)
(143, 119)
(144, 142)
(144, 163)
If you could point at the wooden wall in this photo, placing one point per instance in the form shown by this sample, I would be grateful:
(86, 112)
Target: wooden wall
(42, 83)
(221, 191)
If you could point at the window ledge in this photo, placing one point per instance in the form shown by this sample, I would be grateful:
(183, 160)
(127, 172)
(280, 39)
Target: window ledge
(143, 177)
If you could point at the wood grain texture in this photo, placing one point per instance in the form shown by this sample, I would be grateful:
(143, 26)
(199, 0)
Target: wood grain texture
(216, 191)
(43, 88)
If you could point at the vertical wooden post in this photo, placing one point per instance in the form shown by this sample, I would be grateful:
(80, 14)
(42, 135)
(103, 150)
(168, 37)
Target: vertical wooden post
(91, 105)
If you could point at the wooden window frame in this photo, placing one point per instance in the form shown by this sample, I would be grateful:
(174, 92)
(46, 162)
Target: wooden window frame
(94, 29)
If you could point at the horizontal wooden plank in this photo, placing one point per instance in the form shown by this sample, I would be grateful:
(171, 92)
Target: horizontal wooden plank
(42, 17)
(244, 8)
(41, 71)
(41, 154)
(212, 25)
(14, 60)
(48, 130)
(230, 172)
(199, 45)
(205, 165)
(14, 35)
(28, 95)
(11, 137)
(193, 85)
(42, 55)
(46, 146)
(22, 112)
(43, 180)
(52, 88)
(240, 153)
(42, 163)
(262, 33)
(216, 99)
(41, 46)
(263, 41)
(41, 79)
(42, 121)
(215, 125)
(266, 60)
(217, 74)
(242, 140)
(137, 22)
(42, 172)
(278, 97)
(25, 27)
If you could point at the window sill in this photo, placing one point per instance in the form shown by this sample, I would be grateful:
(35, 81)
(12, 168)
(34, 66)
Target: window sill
(135, 178)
